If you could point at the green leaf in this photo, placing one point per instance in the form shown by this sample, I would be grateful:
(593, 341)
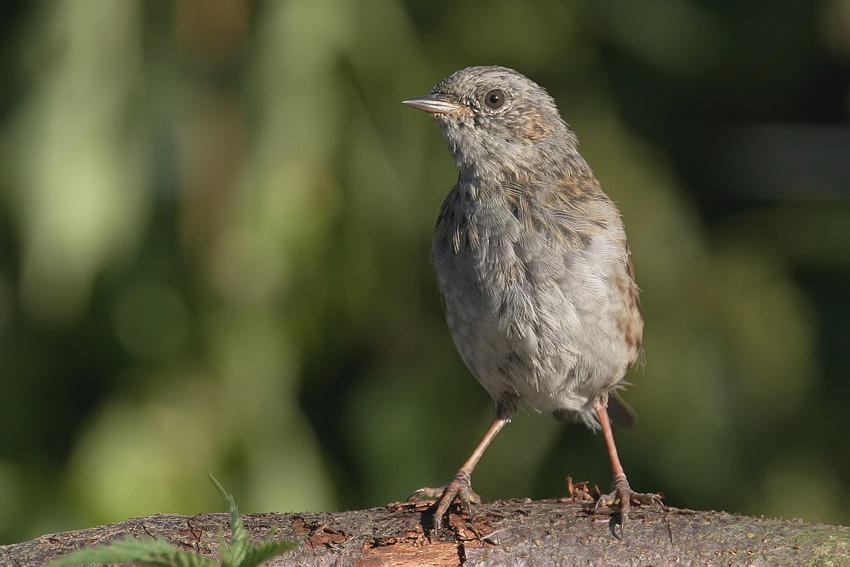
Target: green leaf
(156, 552)
(267, 549)
(240, 540)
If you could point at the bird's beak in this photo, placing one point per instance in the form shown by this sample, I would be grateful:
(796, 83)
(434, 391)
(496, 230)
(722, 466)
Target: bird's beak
(435, 104)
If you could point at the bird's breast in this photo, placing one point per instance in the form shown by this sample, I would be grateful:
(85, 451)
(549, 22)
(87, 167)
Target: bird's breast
(533, 314)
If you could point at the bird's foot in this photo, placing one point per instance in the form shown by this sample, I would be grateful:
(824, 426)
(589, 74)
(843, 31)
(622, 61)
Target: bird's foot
(623, 497)
(458, 490)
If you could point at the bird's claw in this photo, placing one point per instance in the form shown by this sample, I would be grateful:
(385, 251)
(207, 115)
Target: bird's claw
(458, 490)
(426, 493)
(623, 497)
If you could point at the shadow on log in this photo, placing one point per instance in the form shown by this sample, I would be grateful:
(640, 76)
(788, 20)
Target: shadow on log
(512, 532)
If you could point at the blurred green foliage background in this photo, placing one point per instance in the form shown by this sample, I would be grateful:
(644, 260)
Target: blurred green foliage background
(215, 220)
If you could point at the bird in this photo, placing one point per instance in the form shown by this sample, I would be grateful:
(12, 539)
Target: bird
(533, 267)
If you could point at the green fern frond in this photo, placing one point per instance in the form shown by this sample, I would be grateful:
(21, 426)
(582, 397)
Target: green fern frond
(156, 552)
(240, 539)
(259, 554)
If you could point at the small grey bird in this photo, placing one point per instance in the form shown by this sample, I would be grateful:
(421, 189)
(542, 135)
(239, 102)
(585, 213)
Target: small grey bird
(533, 267)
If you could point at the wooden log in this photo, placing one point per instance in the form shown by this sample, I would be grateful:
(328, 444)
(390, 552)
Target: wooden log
(503, 533)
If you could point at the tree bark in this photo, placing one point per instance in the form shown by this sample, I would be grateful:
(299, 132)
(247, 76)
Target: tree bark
(514, 532)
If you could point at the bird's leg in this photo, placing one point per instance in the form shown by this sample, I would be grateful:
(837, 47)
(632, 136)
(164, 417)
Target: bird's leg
(622, 493)
(460, 488)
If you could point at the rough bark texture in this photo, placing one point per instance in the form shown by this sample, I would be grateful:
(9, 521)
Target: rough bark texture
(502, 533)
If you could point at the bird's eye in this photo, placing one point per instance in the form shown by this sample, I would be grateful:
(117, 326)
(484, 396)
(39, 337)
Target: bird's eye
(495, 98)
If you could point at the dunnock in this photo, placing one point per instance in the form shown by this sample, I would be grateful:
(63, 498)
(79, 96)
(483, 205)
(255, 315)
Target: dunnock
(533, 267)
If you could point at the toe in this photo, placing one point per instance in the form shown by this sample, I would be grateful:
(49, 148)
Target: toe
(426, 493)
(647, 498)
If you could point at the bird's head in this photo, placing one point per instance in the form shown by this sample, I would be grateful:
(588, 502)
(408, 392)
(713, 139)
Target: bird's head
(497, 121)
